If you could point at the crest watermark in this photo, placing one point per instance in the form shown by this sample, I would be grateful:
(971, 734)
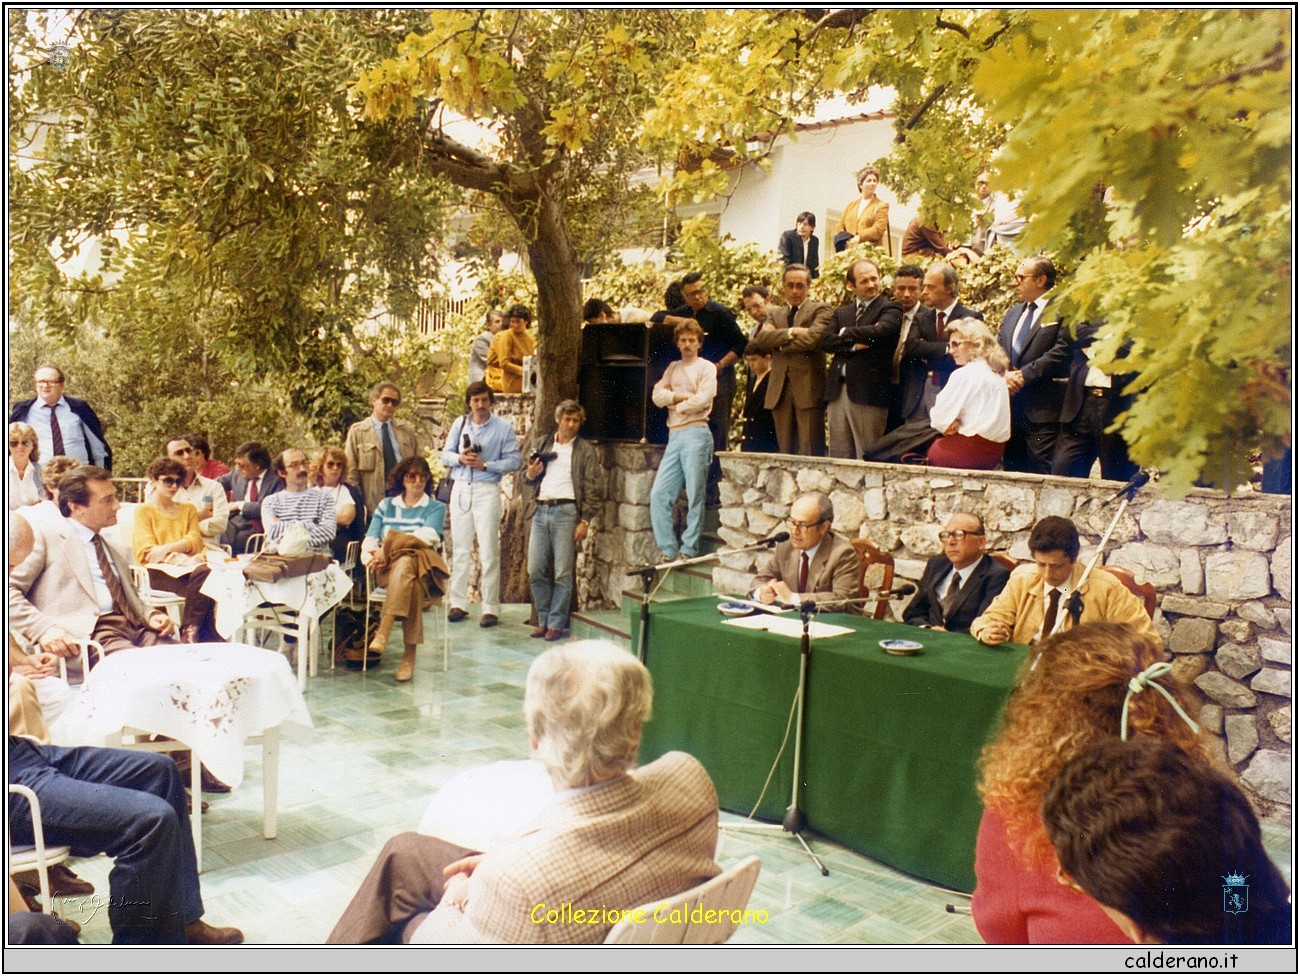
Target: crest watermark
(1236, 894)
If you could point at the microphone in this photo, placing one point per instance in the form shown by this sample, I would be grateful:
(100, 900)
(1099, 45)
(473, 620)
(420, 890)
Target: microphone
(773, 540)
(1134, 483)
(903, 589)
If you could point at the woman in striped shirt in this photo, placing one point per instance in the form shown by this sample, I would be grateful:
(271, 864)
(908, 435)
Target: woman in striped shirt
(400, 548)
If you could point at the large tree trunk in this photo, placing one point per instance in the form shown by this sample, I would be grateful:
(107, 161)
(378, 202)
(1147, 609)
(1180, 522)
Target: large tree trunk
(559, 311)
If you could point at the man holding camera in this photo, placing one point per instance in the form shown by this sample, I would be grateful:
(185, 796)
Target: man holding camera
(480, 448)
(565, 490)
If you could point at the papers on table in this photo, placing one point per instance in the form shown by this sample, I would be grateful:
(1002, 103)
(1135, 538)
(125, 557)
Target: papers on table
(788, 627)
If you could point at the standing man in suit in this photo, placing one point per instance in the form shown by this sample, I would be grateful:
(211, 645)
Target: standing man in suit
(926, 365)
(376, 444)
(799, 246)
(862, 337)
(958, 585)
(1093, 400)
(615, 837)
(478, 352)
(815, 564)
(74, 584)
(794, 392)
(754, 299)
(250, 483)
(64, 425)
(1039, 351)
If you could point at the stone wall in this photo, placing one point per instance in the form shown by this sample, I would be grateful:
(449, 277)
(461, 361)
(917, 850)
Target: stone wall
(1221, 567)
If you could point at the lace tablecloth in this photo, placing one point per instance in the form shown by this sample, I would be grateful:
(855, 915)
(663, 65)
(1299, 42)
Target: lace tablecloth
(209, 696)
(312, 595)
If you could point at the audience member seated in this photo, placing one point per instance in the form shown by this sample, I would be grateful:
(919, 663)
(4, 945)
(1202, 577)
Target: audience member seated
(246, 487)
(866, 218)
(799, 246)
(1148, 832)
(208, 466)
(25, 486)
(206, 495)
(46, 512)
(925, 242)
(399, 547)
(299, 503)
(478, 353)
(973, 411)
(958, 585)
(329, 473)
(815, 564)
(510, 346)
(166, 534)
(1041, 591)
(75, 584)
(1075, 694)
(36, 689)
(754, 300)
(615, 837)
(759, 430)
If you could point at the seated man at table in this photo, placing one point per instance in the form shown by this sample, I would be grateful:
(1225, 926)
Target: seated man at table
(1035, 602)
(613, 838)
(74, 584)
(958, 585)
(251, 483)
(815, 564)
(299, 503)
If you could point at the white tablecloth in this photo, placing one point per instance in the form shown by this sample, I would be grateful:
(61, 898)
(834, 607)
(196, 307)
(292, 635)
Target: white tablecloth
(312, 595)
(209, 696)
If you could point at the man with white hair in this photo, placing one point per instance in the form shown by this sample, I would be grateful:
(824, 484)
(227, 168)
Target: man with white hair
(613, 837)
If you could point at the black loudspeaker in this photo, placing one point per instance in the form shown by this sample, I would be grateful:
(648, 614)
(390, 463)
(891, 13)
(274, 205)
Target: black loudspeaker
(619, 367)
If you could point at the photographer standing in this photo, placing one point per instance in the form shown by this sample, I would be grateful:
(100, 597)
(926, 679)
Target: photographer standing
(565, 489)
(480, 448)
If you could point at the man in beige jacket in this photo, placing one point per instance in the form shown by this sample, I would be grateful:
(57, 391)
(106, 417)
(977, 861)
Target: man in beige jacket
(376, 444)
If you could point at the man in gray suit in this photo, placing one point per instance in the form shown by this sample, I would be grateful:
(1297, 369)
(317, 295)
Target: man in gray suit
(793, 335)
(74, 584)
(815, 564)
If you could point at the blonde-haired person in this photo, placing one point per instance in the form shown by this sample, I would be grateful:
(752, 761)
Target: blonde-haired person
(329, 473)
(25, 486)
(973, 410)
(1075, 690)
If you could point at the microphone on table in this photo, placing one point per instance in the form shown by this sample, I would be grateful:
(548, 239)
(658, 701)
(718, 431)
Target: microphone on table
(903, 589)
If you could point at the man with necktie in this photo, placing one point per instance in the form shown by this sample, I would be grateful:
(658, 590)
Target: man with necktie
(64, 425)
(959, 584)
(376, 444)
(1039, 349)
(815, 564)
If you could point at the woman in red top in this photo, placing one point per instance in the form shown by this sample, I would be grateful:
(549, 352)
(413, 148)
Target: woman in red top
(1071, 696)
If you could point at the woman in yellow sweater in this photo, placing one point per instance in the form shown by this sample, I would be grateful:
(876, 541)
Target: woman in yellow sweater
(167, 533)
(505, 362)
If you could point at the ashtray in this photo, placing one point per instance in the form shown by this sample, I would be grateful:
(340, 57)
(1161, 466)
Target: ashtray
(736, 609)
(901, 648)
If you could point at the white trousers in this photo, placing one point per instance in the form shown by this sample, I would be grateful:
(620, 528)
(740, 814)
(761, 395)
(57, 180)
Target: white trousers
(476, 514)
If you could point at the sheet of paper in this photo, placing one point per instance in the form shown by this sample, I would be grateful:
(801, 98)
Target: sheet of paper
(788, 626)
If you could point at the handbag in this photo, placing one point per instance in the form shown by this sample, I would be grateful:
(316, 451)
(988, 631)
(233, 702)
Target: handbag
(271, 568)
(442, 491)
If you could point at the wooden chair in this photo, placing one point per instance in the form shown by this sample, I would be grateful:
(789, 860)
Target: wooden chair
(868, 556)
(1146, 592)
(36, 856)
(1004, 559)
(728, 892)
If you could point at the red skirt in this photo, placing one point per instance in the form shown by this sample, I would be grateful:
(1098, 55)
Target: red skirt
(959, 451)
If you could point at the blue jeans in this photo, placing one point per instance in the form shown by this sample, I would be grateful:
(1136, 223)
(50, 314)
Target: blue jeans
(686, 462)
(550, 563)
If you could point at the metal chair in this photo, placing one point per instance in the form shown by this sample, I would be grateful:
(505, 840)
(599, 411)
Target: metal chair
(36, 856)
(350, 556)
(868, 556)
(255, 542)
(727, 893)
(376, 594)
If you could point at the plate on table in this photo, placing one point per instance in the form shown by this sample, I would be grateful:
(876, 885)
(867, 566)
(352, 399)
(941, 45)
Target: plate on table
(736, 609)
(901, 648)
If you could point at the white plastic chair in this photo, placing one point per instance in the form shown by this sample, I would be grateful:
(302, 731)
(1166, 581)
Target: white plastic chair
(37, 857)
(728, 892)
(376, 594)
(255, 542)
(173, 603)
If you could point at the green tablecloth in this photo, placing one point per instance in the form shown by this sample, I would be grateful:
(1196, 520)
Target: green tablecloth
(890, 743)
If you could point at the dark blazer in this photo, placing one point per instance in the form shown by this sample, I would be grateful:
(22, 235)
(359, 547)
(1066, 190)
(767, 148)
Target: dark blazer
(1075, 390)
(984, 583)
(18, 415)
(790, 247)
(926, 350)
(235, 485)
(759, 431)
(1044, 362)
(869, 373)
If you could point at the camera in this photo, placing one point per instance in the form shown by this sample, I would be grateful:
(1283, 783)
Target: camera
(465, 445)
(544, 458)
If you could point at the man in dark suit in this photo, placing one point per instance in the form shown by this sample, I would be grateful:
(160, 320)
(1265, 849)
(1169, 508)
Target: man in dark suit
(64, 425)
(250, 483)
(1092, 401)
(862, 336)
(1039, 350)
(960, 584)
(924, 363)
(799, 246)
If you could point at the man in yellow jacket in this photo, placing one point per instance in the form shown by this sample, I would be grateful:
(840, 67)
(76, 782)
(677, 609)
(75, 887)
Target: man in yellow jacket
(1037, 596)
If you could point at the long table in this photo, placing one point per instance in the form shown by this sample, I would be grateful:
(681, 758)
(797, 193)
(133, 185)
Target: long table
(890, 743)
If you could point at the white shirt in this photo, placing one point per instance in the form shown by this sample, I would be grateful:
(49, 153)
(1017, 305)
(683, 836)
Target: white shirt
(22, 488)
(977, 398)
(76, 435)
(1025, 325)
(557, 482)
(102, 595)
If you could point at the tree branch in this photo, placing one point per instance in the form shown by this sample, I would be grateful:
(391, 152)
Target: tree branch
(940, 22)
(844, 17)
(462, 164)
(1278, 57)
(921, 110)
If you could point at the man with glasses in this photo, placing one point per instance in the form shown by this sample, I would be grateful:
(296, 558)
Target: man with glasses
(958, 585)
(64, 425)
(299, 502)
(376, 444)
(815, 564)
(204, 494)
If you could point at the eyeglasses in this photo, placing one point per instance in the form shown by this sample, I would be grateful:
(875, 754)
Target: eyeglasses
(954, 343)
(171, 482)
(391, 401)
(956, 535)
(1019, 278)
(184, 450)
(49, 382)
(333, 464)
(20, 443)
(805, 526)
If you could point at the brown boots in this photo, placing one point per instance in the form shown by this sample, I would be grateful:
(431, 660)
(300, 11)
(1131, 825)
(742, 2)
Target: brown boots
(406, 670)
(382, 633)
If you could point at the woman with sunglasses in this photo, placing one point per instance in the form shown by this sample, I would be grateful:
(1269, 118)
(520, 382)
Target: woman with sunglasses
(25, 486)
(973, 410)
(329, 473)
(167, 534)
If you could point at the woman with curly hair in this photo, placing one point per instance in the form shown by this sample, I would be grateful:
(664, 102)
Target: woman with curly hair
(399, 547)
(1078, 689)
(329, 473)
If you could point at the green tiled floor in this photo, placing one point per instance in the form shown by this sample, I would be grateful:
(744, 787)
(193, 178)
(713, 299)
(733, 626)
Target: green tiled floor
(381, 749)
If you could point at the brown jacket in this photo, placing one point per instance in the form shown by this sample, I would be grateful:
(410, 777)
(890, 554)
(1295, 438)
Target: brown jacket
(507, 354)
(365, 456)
(797, 361)
(832, 574)
(873, 224)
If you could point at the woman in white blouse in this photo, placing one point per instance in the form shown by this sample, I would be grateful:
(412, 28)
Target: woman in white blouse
(24, 479)
(973, 410)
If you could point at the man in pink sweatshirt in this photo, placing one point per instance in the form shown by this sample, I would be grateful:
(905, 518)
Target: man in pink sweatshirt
(687, 389)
